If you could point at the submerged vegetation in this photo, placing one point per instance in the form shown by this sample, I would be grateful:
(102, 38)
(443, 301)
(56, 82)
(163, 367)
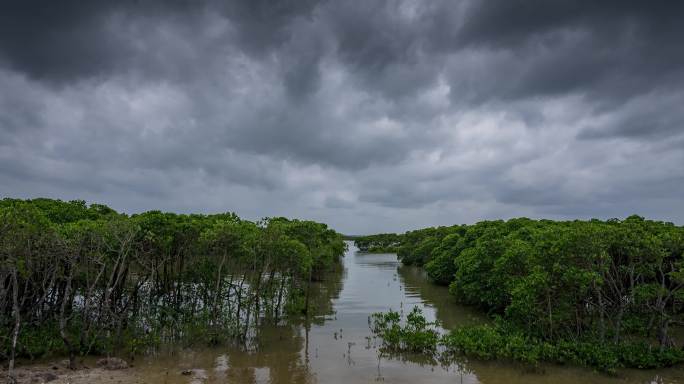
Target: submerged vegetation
(78, 279)
(604, 294)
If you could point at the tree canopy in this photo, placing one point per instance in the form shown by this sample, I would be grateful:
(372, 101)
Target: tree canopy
(79, 279)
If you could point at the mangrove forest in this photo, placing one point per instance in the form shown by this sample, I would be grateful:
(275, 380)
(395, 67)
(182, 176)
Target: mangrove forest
(78, 279)
(604, 294)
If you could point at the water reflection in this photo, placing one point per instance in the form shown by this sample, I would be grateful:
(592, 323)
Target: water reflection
(449, 313)
(334, 346)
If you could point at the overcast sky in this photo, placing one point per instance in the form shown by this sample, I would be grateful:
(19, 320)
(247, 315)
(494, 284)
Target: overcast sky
(367, 115)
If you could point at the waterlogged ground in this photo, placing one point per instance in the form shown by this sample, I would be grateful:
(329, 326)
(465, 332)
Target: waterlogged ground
(335, 347)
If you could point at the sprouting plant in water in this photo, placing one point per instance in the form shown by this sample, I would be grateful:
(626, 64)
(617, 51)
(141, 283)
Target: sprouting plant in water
(410, 334)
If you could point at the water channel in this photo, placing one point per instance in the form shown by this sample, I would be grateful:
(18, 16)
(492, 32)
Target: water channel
(335, 346)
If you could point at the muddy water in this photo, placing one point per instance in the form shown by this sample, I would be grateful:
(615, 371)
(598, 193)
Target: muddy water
(334, 347)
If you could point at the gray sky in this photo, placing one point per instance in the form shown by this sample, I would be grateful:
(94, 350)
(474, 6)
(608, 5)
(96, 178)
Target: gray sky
(367, 115)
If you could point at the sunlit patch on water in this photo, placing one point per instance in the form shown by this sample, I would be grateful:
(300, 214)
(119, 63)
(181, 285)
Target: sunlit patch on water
(262, 375)
(221, 366)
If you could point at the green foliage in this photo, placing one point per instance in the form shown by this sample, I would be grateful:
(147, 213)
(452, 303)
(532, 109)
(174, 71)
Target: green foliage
(61, 212)
(105, 281)
(441, 268)
(380, 243)
(417, 246)
(498, 342)
(591, 289)
(38, 341)
(412, 334)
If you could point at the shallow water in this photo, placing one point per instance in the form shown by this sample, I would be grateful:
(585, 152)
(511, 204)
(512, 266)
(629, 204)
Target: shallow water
(335, 346)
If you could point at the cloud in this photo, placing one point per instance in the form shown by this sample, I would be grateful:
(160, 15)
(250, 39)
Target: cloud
(371, 116)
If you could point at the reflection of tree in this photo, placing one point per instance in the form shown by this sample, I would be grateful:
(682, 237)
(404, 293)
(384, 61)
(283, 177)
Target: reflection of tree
(279, 352)
(449, 313)
(326, 291)
(283, 349)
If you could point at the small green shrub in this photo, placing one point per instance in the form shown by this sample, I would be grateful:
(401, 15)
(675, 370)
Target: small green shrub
(415, 334)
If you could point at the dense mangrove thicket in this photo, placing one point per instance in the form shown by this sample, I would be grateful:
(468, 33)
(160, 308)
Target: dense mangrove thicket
(79, 279)
(380, 243)
(599, 293)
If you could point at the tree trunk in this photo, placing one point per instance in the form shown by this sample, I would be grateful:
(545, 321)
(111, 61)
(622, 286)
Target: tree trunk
(618, 323)
(308, 292)
(66, 298)
(602, 316)
(663, 336)
(280, 298)
(17, 325)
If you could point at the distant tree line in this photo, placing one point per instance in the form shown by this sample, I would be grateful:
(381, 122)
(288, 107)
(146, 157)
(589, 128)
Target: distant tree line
(601, 293)
(83, 279)
(380, 243)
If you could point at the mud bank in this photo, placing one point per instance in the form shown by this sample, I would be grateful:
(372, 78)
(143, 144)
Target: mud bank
(103, 371)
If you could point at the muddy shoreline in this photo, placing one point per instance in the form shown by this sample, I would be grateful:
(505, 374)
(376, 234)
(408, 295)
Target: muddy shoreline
(100, 371)
(86, 372)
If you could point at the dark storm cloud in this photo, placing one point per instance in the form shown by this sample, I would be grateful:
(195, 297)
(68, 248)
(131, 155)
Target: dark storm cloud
(654, 116)
(409, 112)
(70, 40)
(55, 40)
(609, 51)
(62, 41)
(530, 48)
(263, 25)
